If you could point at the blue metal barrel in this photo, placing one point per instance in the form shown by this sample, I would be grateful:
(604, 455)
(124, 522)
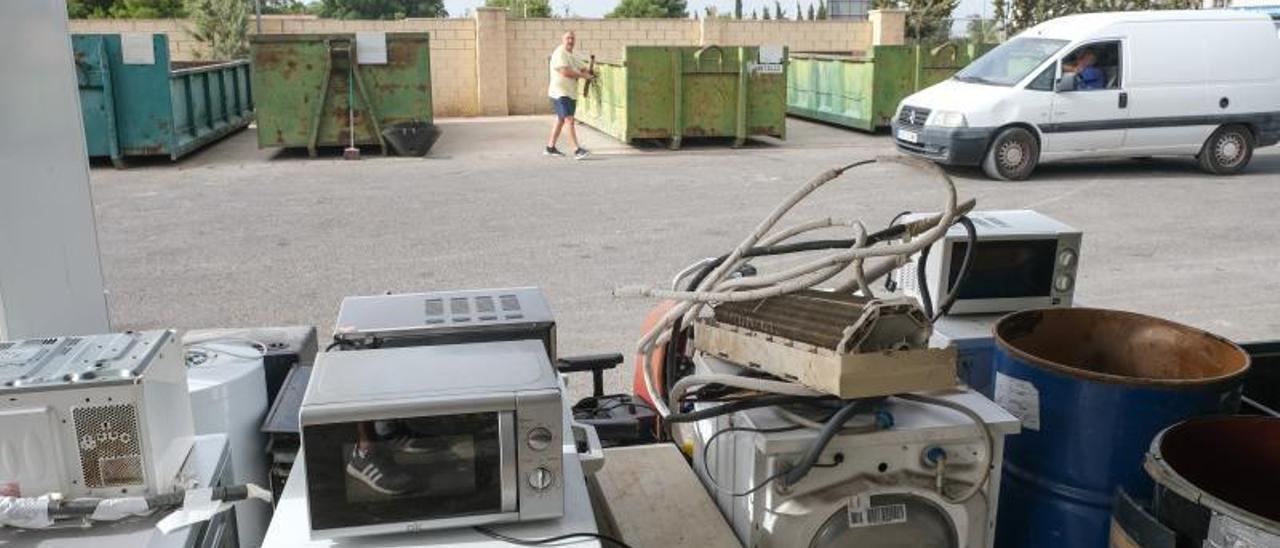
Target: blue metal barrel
(1093, 387)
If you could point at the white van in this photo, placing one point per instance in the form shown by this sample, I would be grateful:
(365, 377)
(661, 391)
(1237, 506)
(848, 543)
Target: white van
(1195, 83)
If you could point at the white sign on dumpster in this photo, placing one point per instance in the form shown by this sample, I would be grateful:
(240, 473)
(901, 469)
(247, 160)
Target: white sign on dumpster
(137, 48)
(371, 48)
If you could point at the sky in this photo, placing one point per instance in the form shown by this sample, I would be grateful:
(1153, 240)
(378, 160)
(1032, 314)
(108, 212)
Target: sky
(597, 8)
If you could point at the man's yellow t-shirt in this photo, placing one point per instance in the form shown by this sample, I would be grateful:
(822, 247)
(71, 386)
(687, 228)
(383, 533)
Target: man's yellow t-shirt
(561, 85)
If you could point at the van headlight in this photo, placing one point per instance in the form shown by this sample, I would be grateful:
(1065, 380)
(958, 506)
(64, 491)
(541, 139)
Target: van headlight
(943, 118)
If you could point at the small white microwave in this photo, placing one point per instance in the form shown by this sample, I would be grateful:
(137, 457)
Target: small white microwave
(1023, 259)
(405, 439)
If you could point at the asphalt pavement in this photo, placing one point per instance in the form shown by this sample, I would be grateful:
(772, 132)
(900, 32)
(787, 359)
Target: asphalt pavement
(233, 236)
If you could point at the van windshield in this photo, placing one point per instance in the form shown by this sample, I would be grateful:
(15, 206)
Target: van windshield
(1009, 63)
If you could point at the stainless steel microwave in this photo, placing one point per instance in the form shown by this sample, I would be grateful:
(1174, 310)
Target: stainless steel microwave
(431, 437)
(1023, 259)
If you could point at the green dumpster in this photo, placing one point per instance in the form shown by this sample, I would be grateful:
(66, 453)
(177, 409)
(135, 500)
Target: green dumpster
(135, 101)
(863, 92)
(305, 82)
(673, 92)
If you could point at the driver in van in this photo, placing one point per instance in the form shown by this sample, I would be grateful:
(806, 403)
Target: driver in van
(1088, 76)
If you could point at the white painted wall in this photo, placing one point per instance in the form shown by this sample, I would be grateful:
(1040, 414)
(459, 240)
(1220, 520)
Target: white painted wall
(50, 275)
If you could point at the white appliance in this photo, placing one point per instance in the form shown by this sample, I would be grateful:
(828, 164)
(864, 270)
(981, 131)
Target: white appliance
(228, 388)
(1024, 259)
(474, 431)
(882, 492)
(50, 275)
(100, 415)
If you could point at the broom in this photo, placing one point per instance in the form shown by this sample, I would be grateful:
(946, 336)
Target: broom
(351, 152)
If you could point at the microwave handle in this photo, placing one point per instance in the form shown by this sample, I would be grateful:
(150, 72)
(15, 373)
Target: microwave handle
(593, 459)
(507, 461)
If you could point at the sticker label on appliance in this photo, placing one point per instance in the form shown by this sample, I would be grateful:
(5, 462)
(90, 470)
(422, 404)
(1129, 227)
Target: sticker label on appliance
(861, 515)
(1225, 532)
(1020, 398)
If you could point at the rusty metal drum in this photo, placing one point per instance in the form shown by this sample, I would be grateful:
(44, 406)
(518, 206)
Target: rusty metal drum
(1092, 388)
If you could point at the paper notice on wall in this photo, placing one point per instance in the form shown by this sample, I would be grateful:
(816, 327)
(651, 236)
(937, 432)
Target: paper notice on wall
(1020, 398)
(371, 48)
(137, 48)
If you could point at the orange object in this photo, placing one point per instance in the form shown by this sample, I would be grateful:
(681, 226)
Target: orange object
(656, 359)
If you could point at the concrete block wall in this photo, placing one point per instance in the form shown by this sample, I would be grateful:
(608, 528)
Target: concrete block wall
(531, 41)
(493, 65)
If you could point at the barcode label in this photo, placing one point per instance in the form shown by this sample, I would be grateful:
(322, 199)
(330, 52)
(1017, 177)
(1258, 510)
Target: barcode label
(877, 515)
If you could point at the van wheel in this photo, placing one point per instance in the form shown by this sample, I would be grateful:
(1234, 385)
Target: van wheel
(1227, 151)
(1012, 156)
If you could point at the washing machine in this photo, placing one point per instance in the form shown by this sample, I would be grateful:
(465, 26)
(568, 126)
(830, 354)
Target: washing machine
(883, 492)
(228, 387)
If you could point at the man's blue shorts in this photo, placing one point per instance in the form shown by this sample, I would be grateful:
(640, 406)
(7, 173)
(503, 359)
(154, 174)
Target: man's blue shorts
(564, 106)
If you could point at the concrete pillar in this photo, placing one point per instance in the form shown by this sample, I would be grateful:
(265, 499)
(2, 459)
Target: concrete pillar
(491, 61)
(711, 31)
(888, 27)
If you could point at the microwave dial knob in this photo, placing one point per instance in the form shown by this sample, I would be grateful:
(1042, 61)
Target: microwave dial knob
(539, 438)
(1063, 283)
(1067, 258)
(541, 478)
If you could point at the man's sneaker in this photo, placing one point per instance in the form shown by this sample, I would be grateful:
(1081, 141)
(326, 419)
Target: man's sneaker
(380, 473)
(581, 153)
(552, 151)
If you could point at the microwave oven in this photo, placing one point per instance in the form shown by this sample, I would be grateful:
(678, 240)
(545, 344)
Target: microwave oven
(94, 415)
(431, 437)
(1023, 259)
(446, 317)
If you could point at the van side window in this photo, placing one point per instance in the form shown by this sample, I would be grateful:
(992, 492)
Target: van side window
(1094, 66)
(1044, 80)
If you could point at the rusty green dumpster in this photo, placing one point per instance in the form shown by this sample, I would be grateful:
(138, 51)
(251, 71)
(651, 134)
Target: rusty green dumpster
(674, 92)
(135, 101)
(319, 90)
(863, 91)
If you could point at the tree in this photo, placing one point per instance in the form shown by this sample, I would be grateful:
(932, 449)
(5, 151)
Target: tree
(777, 10)
(522, 8)
(766, 14)
(811, 12)
(737, 9)
(222, 26)
(1014, 16)
(382, 9)
(755, 15)
(982, 31)
(650, 9)
(822, 10)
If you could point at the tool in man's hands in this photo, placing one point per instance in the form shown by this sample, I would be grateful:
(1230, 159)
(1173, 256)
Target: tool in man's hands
(591, 71)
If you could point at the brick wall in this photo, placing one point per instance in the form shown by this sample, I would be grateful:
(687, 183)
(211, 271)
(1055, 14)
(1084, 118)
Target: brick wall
(493, 65)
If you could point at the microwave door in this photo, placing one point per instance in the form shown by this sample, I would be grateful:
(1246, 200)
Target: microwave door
(380, 473)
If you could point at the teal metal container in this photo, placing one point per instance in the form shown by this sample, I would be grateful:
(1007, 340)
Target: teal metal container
(163, 107)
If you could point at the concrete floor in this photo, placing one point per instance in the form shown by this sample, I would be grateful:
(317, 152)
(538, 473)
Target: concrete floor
(233, 236)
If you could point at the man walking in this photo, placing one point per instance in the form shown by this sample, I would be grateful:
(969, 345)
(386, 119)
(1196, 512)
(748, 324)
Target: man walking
(565, 70)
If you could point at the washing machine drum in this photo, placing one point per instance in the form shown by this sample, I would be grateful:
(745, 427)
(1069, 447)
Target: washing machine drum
(889, 516)
(890, 521)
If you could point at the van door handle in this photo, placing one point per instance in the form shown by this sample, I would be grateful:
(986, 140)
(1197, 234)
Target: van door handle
(1124, 100)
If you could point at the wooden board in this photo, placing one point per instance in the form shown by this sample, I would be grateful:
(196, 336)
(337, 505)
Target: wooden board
(845, 375)
(652, 499)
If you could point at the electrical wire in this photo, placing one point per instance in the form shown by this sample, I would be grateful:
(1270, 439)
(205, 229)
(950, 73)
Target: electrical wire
(971, 233)
(558, 540)
(713, 283)
(987, 439)
(706, 466)
(819, 444)
(767, 400)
